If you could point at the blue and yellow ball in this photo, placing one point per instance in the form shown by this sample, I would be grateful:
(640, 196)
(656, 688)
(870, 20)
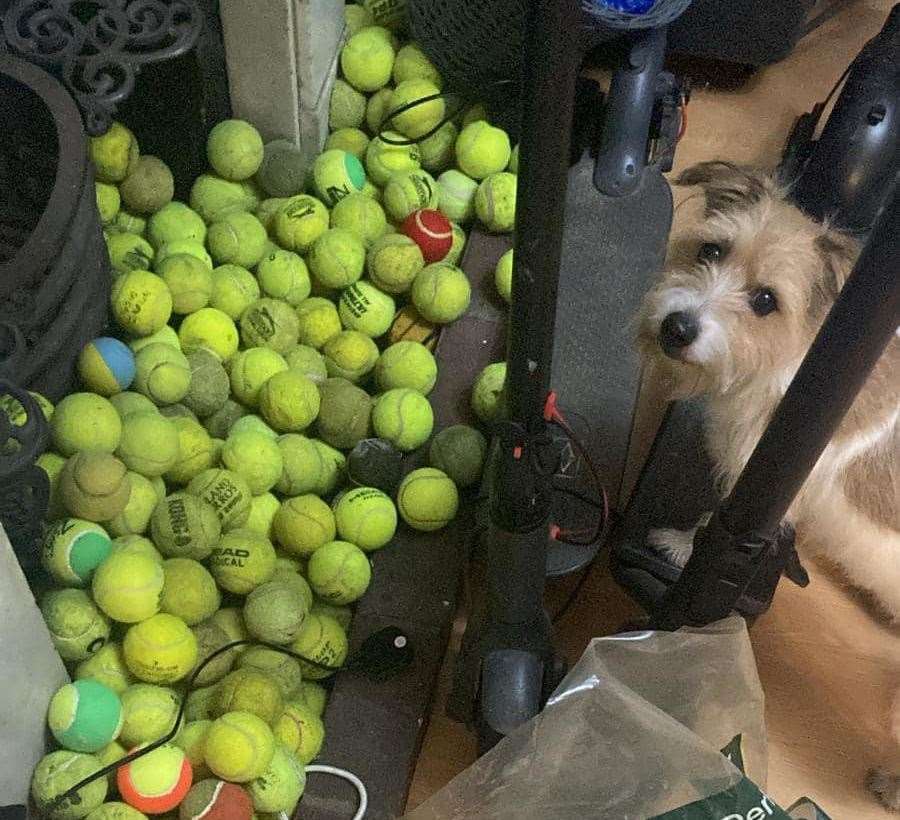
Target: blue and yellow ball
(106, 366)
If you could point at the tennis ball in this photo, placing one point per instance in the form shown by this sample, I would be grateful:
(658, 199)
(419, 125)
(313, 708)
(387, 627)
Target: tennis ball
(247, 690)
(198, 705)
(231, 621)
(337, 174)
(333, 467)
(78, 629)
(128, 251)
(513, 166)
(362, 215)
(412, 64)
(267, 211)
(346, 108)
(270, 323)
(213, 197)
(234, 289)
(182, 247)
(220, 422)
(128, 223)
(127, 586)
(189, 280)
(106, 666)
(319, 321)
(251, 424)
(289, 401)
(482, 150)
(308, 361)
(165, 335)
(503, 276)
(409, 191)
(238, 238)
(242, 561)
(303, 524)
(114, 153)
(148, 185)
(279, 787)
(189, 591)
(175, 221)
(495, 202)
(115, 810)
(301, 220)
(94, 485)
(106, 366)
(135, 518)
(57, 772)
(301, 465)
(274, 612)
(283, 170)
(366, 309)
(251, 369)
(138, 544)
(406, 364)
(388, 13)
(214, 799)
(367, 60)
(262, 512)
(456, 195)
(210, 638)
(278, 667)
(211, 329)
(128, 403)
(209, 387)
(365, 517)
(356, 17)
(384, 159)
(227, 492)
(85, 716)
(163, 373)
(52, 464)
(149, 443)
(157, 781)
(161, 649)
(404, 417)
(487, 393)
(141, 302)
(239, 747)
(185, 526)
(432, 231)
(234, 149)
(423, 116)
(344, 413)
(72, 549)
(321, 639)
(377, 108)
(149, 713)
(342, 614)
(255, 457)
(349, 138)
(191, 740)
(438, 151)
(441, 293)
(300, 730)
(393, 262)
(459, 451)
(283, 275)
(292, 577)
(427, 499)
(337, 258)
(350, 355)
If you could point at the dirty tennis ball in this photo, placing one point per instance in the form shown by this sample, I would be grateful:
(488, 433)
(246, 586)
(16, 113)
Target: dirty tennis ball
(283, 275)
(157, 781)
(239, 747)
(209, 386)
(441, 293)
(318, 321)
(128, 251)
(148, 186)
(303, 524)
(251, 369)
(213, 197)
(406, 364)
(349, 138)
(350, 355)
(191, 741)
(106, 666)
(456, 195)
(410, 191)
(289, 402)
(227, 492)
(384, 159)
(366, 517)
(308, 361)
(283, 171)
(72, 549)
(85, 421)
(210, 638)
(127, 586)
(495, 202)
(323, 640)
(247, 690)
(346, 108)
(77, 627)
(234, 149)
(211, 329)
(438, 151)
(427, 499)
(482, 150)
(108, 201)
(141, 302)
(57, 772)
(106, 366)
(234, 289)
(184, 525)
(270, 323)
(503, 276)
(293, 578)
(301, 465)
(114, 154)
(262, 512)
(422, 117)
(403, 417)
(149, 443)
(255, 457)
(459, 451)
(189, 280)
(175, 221)
(393, 262)
(367, 60)
(242, 560)
(362, 215)
(231, 622)
(213, 799)
(198, 704)
(162, 373)
(487, 393)
(219, 423)
(366, 309)
(280, 786)
(301, 220)
(189, 591)
(344, 413)
(274, 612)
(142, 499)
(281, 668)
(85, 716)
(94, 485)
(149, 711)
(334, 465)
(301, 730)
(238, 238)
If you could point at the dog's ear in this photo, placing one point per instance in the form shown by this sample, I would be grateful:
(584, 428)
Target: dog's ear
(727, 185)
(838, 252)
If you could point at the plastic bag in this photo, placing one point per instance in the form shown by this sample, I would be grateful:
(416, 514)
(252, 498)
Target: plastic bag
(640, 728)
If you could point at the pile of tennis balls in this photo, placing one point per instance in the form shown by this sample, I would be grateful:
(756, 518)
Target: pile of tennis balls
(199, 478)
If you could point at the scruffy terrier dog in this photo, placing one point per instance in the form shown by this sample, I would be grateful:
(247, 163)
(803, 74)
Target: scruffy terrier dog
(744, 293)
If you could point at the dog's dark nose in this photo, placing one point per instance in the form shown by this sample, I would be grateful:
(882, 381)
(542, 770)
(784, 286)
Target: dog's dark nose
(677, 331)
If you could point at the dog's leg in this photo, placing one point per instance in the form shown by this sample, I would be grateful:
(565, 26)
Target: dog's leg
(676, 545)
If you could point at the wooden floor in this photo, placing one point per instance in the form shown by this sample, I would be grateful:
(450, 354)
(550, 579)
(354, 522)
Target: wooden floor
(828, 667)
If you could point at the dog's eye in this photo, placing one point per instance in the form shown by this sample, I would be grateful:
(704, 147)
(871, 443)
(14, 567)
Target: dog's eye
(763, 301)
(710, 252)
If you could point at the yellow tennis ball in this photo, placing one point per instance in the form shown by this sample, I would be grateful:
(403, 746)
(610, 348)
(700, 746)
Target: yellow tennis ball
(251, 369)
(422, 117)
(441, 293)
(280, 786)
(350, 355)
(377, 109)
(174, 222)
(362, 215)
(301, 220)
(503, 276)
(438, 152)
(189, 592)
(337, 258)
(283, 275)
(213, 197)
(129, 223)
(365, 517)
(184, 525)
(427, 499)
(356, 17)
(189, 280)
(393, 262)
(384, 159)
(52, 464)
(78, 629)
(239, 747)
(127, 586)
(367, 60)
(303, 524)
(274, 612)
(459, 451)
(337, 174)
(56, 773)
(192, 741)
(410, 191)
(412, 64)
(242, 560)
(404, 417)
(456, 195)
(149, 443)
(457, 246)
(345, 413)
(114, 153)
(141, 302)
(210, 329)
(231, 621)
(366, 309)
(308, 361)
(138, 544)
(318, 321)
(135, 517)
(148, 185)
(247, 690)
(301, 730)
(267, 211)
(163, 374)
(495, 202)
(108, 201)
(346, 107)
(262, 512)
(72, 549)
(487, 393)
(255, 457)
(94, 485)
(161, 649)
(234, 289)
(128, 251)
(302, 466)
(234, 149)
(210, 638)
(251, 424)
(181, 247)
(227, 492)
(238, 238)
(165, 335)
(482, 150)
(323, 640)
(148, 713)
(348, 137)
(278, 667)
(406, 364)
(270, 323)
(289, 401)
(339, 572)
(107, 666)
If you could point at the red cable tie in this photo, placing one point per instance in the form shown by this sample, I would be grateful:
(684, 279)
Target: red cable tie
(550, 411)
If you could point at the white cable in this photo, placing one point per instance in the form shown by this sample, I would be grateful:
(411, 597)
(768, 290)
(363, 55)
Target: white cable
(352, 778)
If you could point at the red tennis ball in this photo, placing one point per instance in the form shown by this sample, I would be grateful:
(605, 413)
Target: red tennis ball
(431, 231)
(157, 782)
(215, 799)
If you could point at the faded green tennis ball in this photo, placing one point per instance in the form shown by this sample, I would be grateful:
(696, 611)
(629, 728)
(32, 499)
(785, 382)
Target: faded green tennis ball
(163, 374)
(404, 417)
(127, 586)
(135, 517)
(149, 444)
(106, 666)
(255, 457)
(366, 309)
(220, 422)
(72, 549)
(303, 524)
(227, 492)
(362, 215)
(77, 627)
(495, 202)
(94, 485)
(114, 153)
(350, 355)
(234, 149)
(238, 239)
(410, 191)
(503, 276)
(384, 159)
(141, 302)
(148, 186)
(323, 640)
(234, 289)
(308, 361)
(346, 108)
(210, 329)
(344, 413)
(364, 516)
(127, 403)
(283, 170)
(251, 369)
(189, 281)
(289, 401)
(482, 150)
(456, 195)
(438, 151)
(319, 321)
(280, 786)
(337, 258)
(209, 385)
(337, 174)
(108, 201)
(195, 452)
(459, 451)
(242, 561)
(422, 117)
(211, 637)
(189, 591)
(274, 612)
(427, 499)
(270, 323)
(213, 197)
(393, 262)
(300, 222)
(56, 773)
(175, 221)
(367, 60)
(85, 421)
(441, 293)
(406, 364)
(349, 138)
(283, 275)
(128, 251)
(377, 108)
(488, 393)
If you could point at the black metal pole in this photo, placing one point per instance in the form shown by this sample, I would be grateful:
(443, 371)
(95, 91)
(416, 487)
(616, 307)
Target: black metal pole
(855, 333)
